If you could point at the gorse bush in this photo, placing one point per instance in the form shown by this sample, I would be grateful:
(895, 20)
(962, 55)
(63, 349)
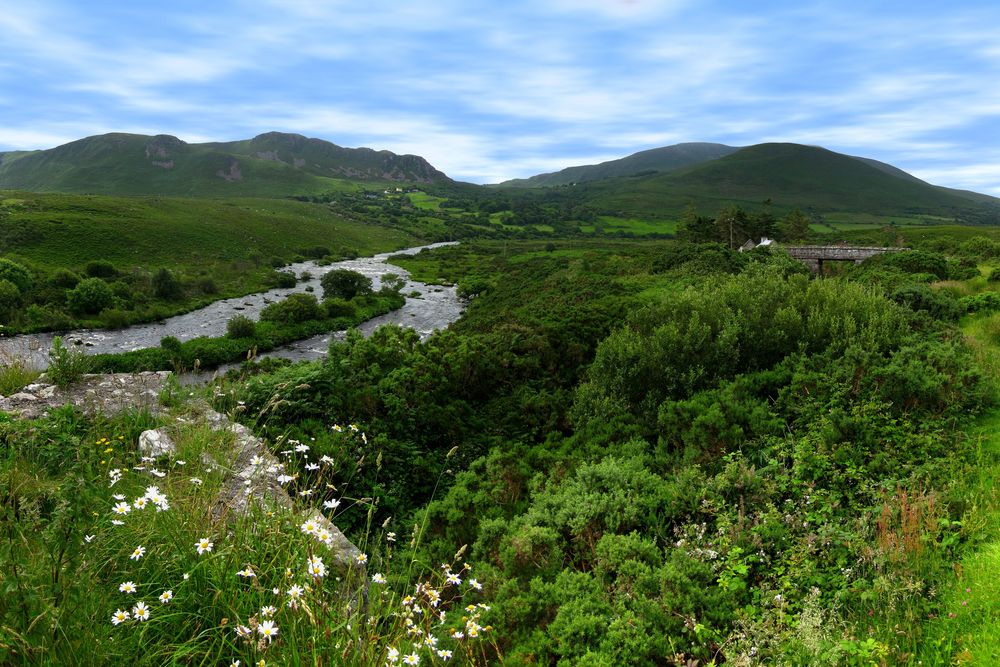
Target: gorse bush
(241, 326)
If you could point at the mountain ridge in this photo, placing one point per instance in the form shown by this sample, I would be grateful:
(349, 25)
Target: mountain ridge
(272, 163)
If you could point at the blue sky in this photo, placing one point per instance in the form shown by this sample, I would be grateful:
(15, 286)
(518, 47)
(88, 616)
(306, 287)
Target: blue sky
(493, 90)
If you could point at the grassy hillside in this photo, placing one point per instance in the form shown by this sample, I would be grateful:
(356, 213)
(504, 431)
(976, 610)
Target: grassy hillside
(663, 159)
(56, 230)
(791, 175)
(213, 248)
(270, 165)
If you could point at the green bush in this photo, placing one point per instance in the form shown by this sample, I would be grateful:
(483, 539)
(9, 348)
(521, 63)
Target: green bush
(284, 279)
(91, 296)
(345, 284)
(100, 269)
(241, 326)
(15, 273)
(985, 302)
(166, 285)
(339, 308)
(64, 279)
(295, 308)
(10, 300)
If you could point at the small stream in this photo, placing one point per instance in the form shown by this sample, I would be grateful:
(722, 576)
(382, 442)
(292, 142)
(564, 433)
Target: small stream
(433, 307)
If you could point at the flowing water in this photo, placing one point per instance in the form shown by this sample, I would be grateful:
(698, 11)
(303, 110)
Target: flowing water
(432, 307)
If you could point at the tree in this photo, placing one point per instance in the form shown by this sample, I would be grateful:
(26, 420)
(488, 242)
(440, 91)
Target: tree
(696, 228)
(794, 226)
(91, 295)
(345, 284)
(732, 226)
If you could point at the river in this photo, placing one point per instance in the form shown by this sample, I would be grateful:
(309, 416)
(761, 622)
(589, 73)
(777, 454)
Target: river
(430, 307)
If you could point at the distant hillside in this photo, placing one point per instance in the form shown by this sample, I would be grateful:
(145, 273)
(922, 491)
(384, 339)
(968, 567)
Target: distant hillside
(791, 175)
(272, 164)
(663, 159)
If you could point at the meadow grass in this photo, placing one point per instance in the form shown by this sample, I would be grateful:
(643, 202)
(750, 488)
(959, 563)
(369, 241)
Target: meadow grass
(113, 558)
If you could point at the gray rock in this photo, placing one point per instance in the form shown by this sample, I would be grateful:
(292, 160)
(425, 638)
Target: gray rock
(156, 443)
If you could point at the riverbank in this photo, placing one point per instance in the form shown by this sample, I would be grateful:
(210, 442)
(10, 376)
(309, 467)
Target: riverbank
(427, 308)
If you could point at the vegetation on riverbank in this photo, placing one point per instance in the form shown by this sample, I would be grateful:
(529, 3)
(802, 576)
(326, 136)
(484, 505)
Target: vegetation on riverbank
(93, 261)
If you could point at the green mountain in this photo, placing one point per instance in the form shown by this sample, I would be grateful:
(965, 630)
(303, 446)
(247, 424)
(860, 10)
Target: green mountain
(664, 159)
(272, 164)
(791, 176)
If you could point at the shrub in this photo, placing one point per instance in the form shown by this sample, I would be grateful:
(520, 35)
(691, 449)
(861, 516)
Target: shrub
(91, 296)
(994, 275)
(100, 268)
(114, 318)
(64, 279)
(207, 286)
(345, 284)
(978, 303)
(10, 300)
(16, 274)
(284, 278)
(65, 365)
(392, 284)
(166, 285)
(296, 308)
(940, 305)
(241, 326)
(339, 308)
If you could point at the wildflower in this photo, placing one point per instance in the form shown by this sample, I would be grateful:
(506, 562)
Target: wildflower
(362, 559)
(163, 505)
(390, 537)
(166, 596)
(118, 496)
(180, 462)
(301, 448)
(88, 538)
(305, 493)
(196, 481)
(140, 611)
(434, 596)
(331, 504)
(268, 611)
(139, 552)
(475, 584)
(285, 479)
(472, 628)
(430, 641)
(127, 587)
(122, 508)
(378, 578)
(119, 617)
(294, 593)
(116, 522)
(243, 631)
(392, 656)
(316, 567)
(325, 459)
(256, 460)
(158, 473)
(312, 466)
(268, 629)
(247, 572)
(408, 600)
(115, 474)
(453, 579)
(444, 654)
(140, 503)
(234, 663)
(203, 545)
(186, 576)
(325, 536)
(411, 659)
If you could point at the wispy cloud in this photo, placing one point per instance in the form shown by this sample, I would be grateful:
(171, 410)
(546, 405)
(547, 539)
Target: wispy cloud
(489, 91)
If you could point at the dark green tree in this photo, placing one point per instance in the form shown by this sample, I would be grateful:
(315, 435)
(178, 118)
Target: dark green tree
(793, 227)
(166, 285)
(345, 284)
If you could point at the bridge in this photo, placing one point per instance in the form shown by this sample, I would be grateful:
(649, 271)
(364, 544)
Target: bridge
(813, 256)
